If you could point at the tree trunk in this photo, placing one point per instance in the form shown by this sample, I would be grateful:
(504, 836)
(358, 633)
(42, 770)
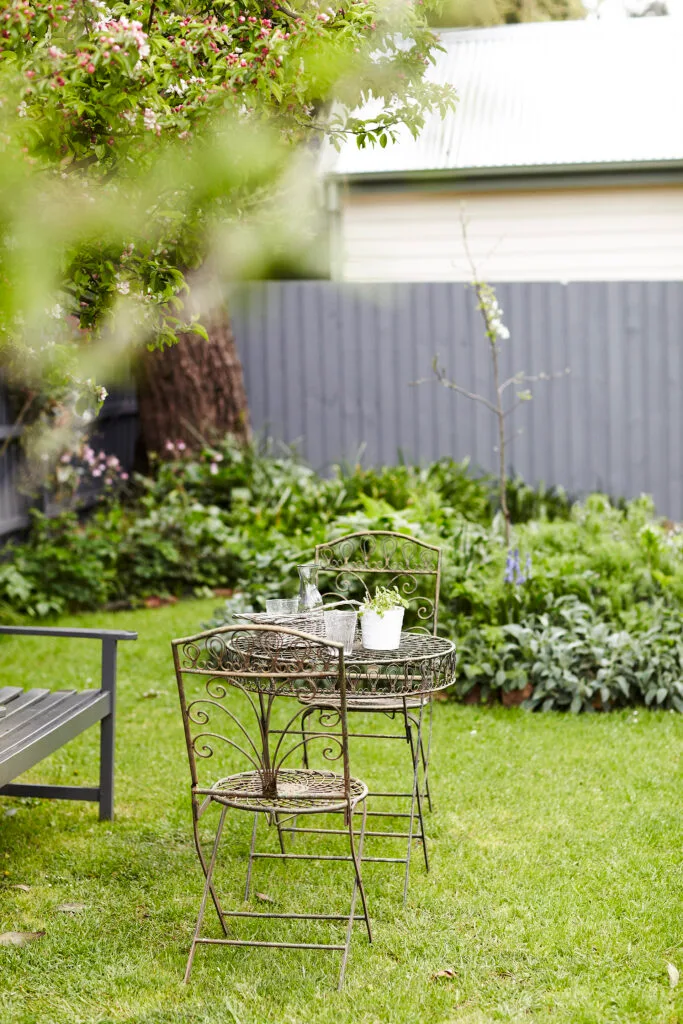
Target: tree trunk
(193, 391)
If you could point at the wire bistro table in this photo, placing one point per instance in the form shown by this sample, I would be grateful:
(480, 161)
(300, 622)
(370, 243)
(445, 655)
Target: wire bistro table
(402, 683)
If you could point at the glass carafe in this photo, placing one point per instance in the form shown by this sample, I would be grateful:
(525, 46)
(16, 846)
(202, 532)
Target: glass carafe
(309, 595)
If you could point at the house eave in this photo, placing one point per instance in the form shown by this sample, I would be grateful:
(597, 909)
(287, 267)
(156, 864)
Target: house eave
(660, 172)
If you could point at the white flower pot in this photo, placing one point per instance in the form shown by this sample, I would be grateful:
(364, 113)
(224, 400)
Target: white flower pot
(382, 632)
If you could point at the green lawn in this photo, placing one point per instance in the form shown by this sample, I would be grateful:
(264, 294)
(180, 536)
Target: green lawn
(556, 891)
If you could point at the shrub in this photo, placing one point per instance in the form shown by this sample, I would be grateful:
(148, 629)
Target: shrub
(586, 607)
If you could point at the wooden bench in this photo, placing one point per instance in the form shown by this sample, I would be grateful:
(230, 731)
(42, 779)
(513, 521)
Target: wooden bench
(35, 723)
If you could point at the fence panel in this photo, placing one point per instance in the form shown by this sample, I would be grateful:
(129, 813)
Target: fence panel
(329, 367)
(339, 360)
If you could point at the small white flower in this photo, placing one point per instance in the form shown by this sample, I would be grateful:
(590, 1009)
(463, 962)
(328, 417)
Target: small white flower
(123, 287)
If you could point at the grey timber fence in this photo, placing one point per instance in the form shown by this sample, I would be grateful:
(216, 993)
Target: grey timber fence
(330, 366)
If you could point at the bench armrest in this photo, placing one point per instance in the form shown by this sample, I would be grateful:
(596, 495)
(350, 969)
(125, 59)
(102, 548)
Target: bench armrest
(67, 632)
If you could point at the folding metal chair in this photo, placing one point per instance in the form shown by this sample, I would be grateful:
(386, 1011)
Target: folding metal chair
(253, 668)
(351, 565)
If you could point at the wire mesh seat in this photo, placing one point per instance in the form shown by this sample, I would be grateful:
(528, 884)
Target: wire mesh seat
(349, 564)
(262, 671)
(299, 791)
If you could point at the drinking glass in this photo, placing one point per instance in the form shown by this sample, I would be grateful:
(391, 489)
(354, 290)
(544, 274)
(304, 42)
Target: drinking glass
(282, 606)
(340, 626)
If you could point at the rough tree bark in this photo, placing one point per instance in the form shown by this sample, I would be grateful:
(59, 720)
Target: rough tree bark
(193, 390)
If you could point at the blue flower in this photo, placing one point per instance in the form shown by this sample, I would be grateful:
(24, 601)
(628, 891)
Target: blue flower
(513, 568)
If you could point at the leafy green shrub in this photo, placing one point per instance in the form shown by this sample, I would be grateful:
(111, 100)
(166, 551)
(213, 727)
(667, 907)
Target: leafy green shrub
(575, 661)
(586, 607)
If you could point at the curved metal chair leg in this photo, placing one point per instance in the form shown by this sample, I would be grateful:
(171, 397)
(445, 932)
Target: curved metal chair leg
(280, 836)
(425, 756)
(202, 861)
(357, 886)
(414, 749)
(251, 857)
(207, 889)
(415, 801)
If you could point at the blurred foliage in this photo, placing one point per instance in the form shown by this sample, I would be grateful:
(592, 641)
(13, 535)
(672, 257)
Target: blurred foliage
(477, 13)
(584, 612)
(146, 147)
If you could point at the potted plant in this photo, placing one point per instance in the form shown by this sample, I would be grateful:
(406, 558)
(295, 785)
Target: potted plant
(382, 618)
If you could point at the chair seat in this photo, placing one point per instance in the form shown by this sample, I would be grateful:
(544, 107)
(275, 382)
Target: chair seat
(299, 791)
(368, 702)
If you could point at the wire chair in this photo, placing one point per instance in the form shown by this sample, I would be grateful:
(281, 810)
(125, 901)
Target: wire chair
(352, 564)
(257, 667)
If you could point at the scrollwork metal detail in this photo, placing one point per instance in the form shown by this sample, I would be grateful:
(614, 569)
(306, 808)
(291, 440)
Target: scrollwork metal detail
(351, 563)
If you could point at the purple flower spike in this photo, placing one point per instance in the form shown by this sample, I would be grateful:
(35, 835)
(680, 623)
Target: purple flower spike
(511, 566)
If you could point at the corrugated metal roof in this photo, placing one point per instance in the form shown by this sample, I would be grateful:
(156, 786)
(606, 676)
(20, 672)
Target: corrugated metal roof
(561, 94)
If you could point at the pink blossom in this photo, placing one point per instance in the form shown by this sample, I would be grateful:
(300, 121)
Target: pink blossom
(181, 446)
(124, 476)
(213, 468)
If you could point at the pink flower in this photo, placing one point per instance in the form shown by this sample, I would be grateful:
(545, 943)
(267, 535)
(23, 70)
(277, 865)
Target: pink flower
(124, 476)
(169, 446)
(213, 468)
(181, 446)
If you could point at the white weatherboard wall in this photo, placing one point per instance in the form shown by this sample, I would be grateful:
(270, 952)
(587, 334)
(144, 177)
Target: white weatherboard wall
(572, 234)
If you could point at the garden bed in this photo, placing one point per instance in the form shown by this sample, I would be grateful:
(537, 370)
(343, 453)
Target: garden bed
(585, 606)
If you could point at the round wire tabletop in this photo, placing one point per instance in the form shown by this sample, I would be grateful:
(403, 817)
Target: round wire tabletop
(422, 664)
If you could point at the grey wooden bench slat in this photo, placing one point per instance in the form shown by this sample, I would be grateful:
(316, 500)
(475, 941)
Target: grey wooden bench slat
(51, 733)
(35, 723)
(23, 706)
(8, 693)
(51, 708)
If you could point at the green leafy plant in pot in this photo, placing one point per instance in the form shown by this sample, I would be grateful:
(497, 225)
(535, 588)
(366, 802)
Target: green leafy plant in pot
(382, 618)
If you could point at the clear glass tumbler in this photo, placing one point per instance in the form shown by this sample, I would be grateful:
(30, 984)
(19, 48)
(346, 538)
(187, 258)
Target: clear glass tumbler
(340, 626)
(282, 606)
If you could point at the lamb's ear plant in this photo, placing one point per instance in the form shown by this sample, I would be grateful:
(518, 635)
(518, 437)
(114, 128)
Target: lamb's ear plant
(385, 599)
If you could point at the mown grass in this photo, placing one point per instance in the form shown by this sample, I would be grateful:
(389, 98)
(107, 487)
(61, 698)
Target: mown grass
(555, 893)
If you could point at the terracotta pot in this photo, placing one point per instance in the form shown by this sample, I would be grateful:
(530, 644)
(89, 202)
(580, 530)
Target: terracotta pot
(513, 698)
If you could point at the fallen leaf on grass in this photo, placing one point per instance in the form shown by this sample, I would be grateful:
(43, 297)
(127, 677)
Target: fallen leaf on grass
(264, 897)
(148, 694)
(10, 812)
(24, 888)
(447, 973)
(70, 908)
(673, 975)
(19, 938)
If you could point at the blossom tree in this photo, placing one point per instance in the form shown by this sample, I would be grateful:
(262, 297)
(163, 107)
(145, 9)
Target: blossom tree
(140, 143)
